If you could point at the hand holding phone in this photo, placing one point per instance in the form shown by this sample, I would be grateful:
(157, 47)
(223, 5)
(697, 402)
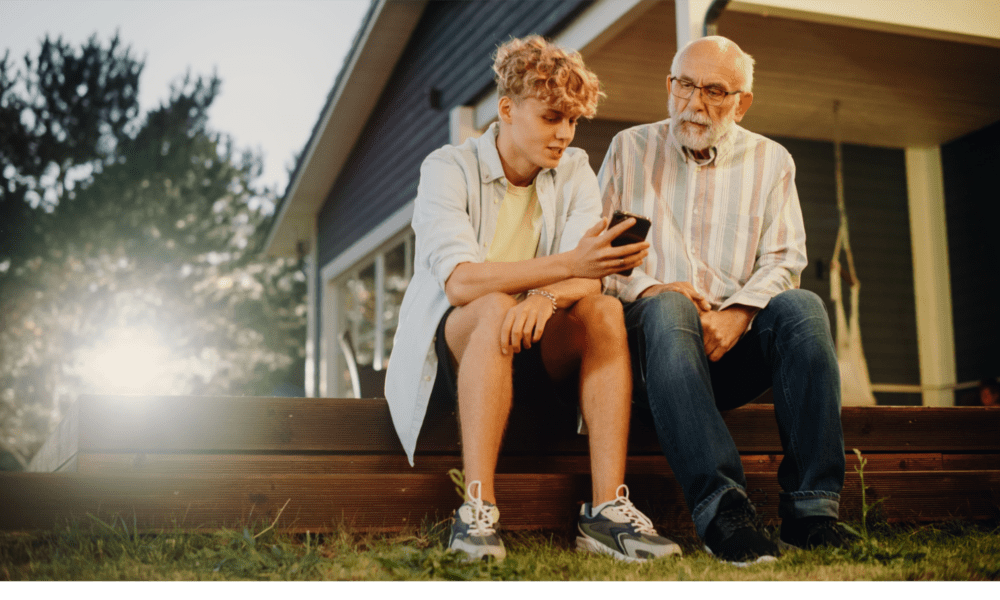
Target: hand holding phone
(635, 233)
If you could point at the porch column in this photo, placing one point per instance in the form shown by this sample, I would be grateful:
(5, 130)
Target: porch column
(462, 124)
(312, 347)
(690, 19)
(931, 275)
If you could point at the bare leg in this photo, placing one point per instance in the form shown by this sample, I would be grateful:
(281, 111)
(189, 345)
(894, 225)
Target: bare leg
(592, 337)
(485, 384)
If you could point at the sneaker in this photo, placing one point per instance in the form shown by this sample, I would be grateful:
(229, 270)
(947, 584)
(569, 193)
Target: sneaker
(473, 527)
(735, 534)
(618, 528)
(813, 532)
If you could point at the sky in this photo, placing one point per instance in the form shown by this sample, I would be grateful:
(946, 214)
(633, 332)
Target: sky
(277, 60)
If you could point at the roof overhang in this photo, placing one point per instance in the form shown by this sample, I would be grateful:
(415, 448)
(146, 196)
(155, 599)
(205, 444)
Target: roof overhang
(366, 71)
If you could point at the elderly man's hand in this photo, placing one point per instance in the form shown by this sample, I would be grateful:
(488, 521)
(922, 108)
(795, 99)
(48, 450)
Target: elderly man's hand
(681, 287)
(722, 329)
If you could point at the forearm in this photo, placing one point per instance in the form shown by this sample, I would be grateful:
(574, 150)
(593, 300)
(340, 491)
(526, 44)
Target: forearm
(569, 291)
(469, 280)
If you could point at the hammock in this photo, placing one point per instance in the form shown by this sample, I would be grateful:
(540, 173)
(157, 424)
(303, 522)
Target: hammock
(855, 385)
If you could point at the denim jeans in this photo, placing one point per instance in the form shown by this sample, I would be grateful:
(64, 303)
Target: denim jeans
(788, 348)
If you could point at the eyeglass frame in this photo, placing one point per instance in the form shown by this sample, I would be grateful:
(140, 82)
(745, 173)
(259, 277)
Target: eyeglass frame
(701, 90)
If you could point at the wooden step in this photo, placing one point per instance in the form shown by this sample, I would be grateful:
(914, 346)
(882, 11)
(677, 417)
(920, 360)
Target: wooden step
(126, 424)
(208, 462)
(384, 502)
(319, 464)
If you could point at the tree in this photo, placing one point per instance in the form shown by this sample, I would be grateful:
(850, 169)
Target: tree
(132, 260)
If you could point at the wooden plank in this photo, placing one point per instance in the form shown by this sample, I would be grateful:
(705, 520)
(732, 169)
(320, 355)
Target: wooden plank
(267, 464)
(967, 462)
(186, 423)
(367, 502)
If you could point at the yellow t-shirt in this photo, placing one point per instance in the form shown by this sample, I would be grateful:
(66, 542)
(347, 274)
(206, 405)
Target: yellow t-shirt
(519, 226)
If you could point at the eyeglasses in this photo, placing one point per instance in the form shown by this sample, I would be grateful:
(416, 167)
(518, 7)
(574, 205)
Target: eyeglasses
(711, 94)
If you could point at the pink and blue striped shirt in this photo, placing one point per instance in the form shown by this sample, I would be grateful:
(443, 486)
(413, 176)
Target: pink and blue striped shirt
(732, 227)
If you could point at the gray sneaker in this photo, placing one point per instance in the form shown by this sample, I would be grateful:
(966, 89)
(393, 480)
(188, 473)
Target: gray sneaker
(618, 528)
(473, 528)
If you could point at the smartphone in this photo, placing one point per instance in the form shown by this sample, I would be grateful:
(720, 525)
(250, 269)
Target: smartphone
(635, 233)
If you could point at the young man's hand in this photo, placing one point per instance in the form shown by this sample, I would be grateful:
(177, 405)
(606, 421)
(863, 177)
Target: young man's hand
(525, 323)
(594, 256)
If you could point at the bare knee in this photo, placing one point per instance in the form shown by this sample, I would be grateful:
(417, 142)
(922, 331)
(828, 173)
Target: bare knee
(491, 309)
(602, 317)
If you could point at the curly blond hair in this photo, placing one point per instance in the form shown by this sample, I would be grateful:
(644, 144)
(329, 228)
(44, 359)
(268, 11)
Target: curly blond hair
(531, 67)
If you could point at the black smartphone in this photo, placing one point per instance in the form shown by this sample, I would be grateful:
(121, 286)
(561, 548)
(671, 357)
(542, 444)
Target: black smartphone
(635, 233)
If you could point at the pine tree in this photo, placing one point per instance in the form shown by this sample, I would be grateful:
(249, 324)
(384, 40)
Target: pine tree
(130, 239)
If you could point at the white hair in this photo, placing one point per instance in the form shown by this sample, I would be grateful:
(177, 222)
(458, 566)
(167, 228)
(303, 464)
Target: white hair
(744, 62)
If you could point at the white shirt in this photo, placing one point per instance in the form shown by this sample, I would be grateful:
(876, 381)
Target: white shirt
(454, 217)
(732, 227)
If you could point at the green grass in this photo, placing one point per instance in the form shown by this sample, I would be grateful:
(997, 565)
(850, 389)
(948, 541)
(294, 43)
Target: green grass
(93, 550)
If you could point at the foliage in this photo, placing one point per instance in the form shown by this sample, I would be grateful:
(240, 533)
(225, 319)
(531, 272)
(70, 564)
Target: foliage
(130, 245)
(458, 478)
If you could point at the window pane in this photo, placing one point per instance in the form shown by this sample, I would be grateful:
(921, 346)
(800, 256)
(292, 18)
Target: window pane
(358, 294)
(396, 280)
(364, 294)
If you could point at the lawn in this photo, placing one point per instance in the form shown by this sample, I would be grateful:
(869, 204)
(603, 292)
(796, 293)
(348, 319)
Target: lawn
(92, 550)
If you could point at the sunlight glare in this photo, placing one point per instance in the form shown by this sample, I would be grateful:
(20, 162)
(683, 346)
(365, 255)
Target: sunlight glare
(126, 361)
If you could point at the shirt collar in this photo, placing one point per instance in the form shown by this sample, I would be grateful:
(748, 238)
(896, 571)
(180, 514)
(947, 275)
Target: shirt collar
(492, 168)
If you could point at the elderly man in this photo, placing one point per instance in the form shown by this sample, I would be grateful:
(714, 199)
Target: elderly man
(714, 317)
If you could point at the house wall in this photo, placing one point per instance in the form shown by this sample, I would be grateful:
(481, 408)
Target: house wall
(972, 205)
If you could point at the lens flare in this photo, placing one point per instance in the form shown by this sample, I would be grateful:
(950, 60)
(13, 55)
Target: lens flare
(126, 361)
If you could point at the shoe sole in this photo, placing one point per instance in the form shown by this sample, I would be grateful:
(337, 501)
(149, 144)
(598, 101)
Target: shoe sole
(767, 558)
(585, 544)
(480, 553)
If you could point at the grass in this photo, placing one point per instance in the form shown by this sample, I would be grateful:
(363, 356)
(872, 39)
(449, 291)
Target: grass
(95, 550)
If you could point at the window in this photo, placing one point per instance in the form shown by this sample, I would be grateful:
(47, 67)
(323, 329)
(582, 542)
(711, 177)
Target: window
(368, 298)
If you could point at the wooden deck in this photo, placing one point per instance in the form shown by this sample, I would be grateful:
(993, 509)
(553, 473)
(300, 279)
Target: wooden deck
(209, 462)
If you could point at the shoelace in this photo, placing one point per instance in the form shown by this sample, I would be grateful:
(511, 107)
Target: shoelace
(482, 521)
(628, 510)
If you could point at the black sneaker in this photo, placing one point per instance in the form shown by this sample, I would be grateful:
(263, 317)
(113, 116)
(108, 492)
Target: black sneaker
(813, 532)
(735, 534)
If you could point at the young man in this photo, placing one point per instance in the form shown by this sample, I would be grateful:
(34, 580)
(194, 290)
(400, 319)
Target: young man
(715, 318)
(509, 255)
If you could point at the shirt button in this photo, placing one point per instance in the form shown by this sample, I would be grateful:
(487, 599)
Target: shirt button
(427, 377)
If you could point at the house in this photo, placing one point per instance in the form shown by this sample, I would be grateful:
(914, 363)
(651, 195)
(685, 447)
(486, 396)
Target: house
(918, 96)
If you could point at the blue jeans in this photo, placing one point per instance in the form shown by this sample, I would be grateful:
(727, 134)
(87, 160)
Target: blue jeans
(788, 348)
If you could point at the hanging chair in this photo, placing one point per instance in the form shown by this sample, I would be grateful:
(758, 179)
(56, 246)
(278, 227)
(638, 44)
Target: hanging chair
(855, 385)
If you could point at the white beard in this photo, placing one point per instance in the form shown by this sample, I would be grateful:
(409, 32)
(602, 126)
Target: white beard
(693, 137)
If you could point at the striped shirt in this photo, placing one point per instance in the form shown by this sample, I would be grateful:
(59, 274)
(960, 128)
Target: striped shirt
(731, 227)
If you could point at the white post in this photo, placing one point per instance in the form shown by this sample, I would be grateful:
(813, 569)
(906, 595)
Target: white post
(690, 19)
(931, 275)
(462, 124)
(312, 347)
